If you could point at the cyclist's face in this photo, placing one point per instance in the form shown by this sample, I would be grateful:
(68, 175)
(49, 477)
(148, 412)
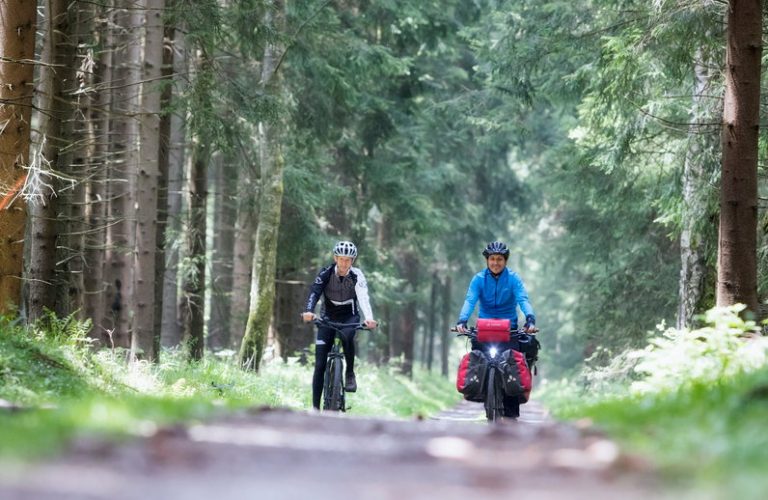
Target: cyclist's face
(342, 264)
(496, 263)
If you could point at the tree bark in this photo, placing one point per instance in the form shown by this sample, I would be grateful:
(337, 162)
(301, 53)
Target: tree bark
(223, 248)
(171, 320)
(82, 146)
(46, 223)
(123, 155)
(245, 229)
(96, 194)
(432, 320)
(164, 236)
(264, 258)
(737, 243)
(446, 339)
(149, 15)
(193, 309)
(17, 51)
(408, 316)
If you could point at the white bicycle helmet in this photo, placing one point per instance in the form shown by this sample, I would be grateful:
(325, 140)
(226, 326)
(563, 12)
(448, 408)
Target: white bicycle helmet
(345, 249)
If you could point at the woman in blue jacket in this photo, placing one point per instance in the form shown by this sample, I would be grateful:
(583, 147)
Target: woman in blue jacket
(499, 293)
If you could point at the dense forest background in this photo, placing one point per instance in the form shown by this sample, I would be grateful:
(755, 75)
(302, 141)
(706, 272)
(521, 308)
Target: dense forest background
(176, 172)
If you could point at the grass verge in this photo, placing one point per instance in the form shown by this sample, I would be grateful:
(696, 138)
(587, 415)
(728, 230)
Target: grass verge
(62, 389)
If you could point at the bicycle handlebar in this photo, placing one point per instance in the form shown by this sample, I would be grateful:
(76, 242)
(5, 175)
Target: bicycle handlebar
(339, 326)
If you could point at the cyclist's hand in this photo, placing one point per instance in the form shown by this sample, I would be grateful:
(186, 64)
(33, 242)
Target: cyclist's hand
(461, 327)
(530, 324)
(307, 316)
(371, 324)
(530, 329)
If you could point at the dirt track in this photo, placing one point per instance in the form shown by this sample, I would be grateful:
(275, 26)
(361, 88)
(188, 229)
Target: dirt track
(280, 454)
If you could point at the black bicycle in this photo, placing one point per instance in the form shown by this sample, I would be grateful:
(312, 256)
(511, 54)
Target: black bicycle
(333, 384)
(493, 387)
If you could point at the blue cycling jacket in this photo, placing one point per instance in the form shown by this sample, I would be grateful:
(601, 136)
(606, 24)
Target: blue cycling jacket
(498, 296)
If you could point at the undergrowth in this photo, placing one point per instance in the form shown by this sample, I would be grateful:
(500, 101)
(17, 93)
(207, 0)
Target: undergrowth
(694, 402)
(55, 386)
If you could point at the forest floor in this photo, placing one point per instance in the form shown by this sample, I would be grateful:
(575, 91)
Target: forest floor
(281, 454)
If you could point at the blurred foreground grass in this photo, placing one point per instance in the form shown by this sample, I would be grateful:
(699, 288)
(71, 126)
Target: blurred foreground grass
(693, 402)
(63, 389)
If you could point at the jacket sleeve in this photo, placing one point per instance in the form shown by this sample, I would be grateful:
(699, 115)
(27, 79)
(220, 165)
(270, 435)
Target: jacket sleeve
(361, 290)
(473, 294)
(521, 296)
(316, 290)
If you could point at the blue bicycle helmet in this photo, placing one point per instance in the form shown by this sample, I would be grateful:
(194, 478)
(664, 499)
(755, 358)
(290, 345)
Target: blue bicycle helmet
(496, 248)
(345, 249)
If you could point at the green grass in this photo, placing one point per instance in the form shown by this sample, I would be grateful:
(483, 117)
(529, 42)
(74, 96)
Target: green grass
(67, 390)
(700, 417)
(710, 438)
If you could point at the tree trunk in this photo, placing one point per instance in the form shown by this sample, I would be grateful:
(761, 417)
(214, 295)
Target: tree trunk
(291, 292)
(50, 162)
(172, 330)
(432, 328)
(148, 14)
(447, 323)
(96, 194)
(737, 244)
(695, 240)
(264, 258)
(163, 235)
(223, 247)
(82, 145)
(408, 316)
(193, 310)
(123, 155)
(17, 50)
(245, 228)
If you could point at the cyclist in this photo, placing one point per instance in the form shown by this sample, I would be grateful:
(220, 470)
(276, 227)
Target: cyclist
(500, 292)
(346, 294)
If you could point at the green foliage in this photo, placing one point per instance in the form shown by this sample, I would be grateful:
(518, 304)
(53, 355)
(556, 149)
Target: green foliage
(728, 347)
(672, 358)
(38, 365)
(64, 389)
(720, 423)
(699, 393)
(385, 392)
(428, 128)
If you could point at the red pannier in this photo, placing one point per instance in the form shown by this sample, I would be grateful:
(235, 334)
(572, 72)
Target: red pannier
(516, 376)
(470, 379)
(493, 330)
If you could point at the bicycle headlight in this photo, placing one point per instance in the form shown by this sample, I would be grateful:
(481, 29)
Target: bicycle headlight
(492, 351)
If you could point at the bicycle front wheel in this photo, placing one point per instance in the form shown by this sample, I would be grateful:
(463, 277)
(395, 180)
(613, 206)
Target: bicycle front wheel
(328, 384)
(337, 387)
(493, 400)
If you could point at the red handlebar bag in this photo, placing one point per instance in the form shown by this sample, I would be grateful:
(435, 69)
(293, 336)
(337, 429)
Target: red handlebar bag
(493, 330)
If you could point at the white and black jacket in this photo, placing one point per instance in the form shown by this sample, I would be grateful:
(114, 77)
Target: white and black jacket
(345, 296)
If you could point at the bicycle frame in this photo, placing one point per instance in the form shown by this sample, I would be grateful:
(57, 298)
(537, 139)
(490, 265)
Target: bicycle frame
(333, 384)
(494, 396)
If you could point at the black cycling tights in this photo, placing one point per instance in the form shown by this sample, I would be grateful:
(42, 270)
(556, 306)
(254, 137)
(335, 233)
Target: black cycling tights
(323, 346)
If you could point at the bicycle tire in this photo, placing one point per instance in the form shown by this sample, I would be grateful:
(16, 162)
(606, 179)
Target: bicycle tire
(492, 412)
(328, 384)
(337, 387)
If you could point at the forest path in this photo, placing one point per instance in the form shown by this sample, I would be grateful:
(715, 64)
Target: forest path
(281, 454)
